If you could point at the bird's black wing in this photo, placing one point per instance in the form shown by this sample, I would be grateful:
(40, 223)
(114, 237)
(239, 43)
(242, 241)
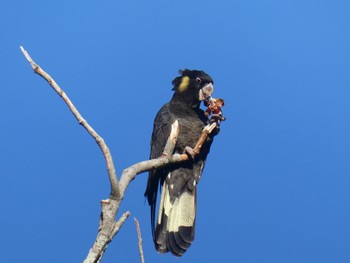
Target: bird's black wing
(161, 132)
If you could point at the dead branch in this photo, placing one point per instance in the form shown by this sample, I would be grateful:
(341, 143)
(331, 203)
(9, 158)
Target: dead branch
(103, 146)
(108, 226)
(139, 238)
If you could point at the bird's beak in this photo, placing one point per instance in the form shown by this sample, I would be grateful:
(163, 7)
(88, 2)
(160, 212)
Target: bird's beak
(206, 91)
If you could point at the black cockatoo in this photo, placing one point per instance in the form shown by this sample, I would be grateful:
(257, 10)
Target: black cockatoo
(175, 226)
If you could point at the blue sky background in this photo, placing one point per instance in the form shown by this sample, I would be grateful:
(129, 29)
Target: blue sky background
(276, 185)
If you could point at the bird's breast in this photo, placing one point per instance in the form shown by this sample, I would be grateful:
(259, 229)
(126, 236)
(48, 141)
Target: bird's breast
(190, 131)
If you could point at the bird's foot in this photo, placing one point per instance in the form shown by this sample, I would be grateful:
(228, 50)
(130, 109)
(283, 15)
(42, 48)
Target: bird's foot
(190, 152)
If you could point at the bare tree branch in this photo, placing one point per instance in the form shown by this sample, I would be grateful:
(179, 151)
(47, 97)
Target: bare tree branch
(103, 146)
(139, 238)
(108, 226)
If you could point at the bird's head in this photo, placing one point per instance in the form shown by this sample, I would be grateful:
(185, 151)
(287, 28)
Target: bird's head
(193, 86)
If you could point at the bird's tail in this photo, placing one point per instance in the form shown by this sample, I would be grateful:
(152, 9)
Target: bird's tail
(176, 221)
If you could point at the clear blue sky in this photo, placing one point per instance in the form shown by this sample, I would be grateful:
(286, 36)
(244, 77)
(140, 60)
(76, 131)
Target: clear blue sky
(276, 187)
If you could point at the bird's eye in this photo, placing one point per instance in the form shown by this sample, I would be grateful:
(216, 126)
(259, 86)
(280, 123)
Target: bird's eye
(199, 80)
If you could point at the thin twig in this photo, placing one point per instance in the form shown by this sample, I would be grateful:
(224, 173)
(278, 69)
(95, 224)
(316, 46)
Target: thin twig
(206, 131)
(120, 223)
(103, 146)
(171, 142)
(139, 238)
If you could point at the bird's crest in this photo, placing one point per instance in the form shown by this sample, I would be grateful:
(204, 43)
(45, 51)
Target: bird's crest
(181, 83)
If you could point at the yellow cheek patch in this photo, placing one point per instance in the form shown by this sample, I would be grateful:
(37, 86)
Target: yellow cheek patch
(185, 82)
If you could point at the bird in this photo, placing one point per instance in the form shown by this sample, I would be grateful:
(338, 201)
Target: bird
(174, 229)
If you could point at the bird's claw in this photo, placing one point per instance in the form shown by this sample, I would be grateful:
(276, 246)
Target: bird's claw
(190, 152)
